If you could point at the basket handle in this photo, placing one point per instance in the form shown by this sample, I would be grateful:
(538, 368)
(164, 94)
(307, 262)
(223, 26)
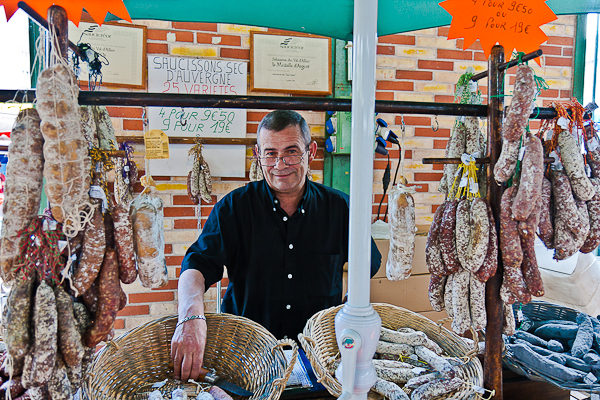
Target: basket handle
(281, 382)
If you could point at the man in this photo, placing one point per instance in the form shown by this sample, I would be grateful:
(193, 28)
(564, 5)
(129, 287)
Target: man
(284, 241)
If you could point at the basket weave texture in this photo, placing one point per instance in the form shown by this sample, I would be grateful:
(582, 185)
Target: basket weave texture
(538, 310)
(319, 343)
(240, 351)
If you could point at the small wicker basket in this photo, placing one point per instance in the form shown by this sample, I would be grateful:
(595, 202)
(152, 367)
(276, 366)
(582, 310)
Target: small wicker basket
(240, 351)
(538, 310)
(319, 343)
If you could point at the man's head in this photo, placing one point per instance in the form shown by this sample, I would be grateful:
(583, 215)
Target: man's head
(285, 149)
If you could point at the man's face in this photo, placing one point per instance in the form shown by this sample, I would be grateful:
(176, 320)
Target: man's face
(282, 178)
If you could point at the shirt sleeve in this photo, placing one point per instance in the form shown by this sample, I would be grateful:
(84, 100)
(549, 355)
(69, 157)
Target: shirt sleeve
(375, 258)
(208, 253)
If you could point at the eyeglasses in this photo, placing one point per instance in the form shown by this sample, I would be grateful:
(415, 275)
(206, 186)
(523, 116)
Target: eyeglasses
(287, 160)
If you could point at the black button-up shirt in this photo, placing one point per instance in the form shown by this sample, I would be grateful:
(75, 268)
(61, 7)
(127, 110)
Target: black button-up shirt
(282, 269)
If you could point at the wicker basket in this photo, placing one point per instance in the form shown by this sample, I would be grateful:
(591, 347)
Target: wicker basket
(319, 343)
(538, 310)
(240, 350)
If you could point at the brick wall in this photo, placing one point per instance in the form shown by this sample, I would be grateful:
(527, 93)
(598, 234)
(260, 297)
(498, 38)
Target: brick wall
(417, 66)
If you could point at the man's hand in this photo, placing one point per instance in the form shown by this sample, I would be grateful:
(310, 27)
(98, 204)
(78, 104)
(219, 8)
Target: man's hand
(187, 349)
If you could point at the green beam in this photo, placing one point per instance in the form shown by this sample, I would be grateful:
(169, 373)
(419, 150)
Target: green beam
(579, 57)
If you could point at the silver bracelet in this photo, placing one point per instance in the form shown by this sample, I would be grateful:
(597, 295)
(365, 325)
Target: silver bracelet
(191, 317)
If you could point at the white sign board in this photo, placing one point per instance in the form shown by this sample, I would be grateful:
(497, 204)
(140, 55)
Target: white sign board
(197, 76)
(223, 160)
(186, 75)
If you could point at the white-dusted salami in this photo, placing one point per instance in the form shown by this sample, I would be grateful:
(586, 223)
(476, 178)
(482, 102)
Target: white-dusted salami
(520, 105)
(546, 225)
(149, 242)
(507, 162)
(460, 301)
(479, 228)
(23, 186)
(67, 163)
(570, 155)
(477, 302)
(105, 132)
(437, 285)
(402, 233)
(88, 126)
(433, 252)
(455, 147)
(462, 231)
(530, 184)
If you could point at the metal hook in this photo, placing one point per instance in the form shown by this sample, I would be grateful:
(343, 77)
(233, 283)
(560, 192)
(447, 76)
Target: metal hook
(403, 127)
(437, 125)
(183, 123)
(144, 118)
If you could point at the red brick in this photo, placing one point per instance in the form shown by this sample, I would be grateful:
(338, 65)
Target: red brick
(564, 41)
(534, 124)
(168, 248)
(182, 200)
(551, 50)
(185, 224)
(479, 57)
(179, 212)
(119, 323)
(558, 62)
(158, 48)
(438, 65)
(437, 167)
(184, 36)
(386, 50)
(133, 124)
(228, 40)
(434, 207)
(151, 297)
(380, 164)
(242, 54)
(224, 283)
(428, 176)
(567, 51)
(443, 31)
(454, 54)
(195, 26)
(565, 94)
(483, 89)
(316, 165)
(440, 98)
(255, 116)
(205, 38)
(411, 120)
(475, 46)
(398, 39)
(384, 96)
(377, 198)
(125, 112)
(172, 285)
(157, 34)
(428, 132)
(549, 93)
(134, 310)
(161, 178)
(407, 154)
(174, 260)
(177, 272)
(440, 144)
(393, 85)
(424, 187)
(416, 75)
(205, 210)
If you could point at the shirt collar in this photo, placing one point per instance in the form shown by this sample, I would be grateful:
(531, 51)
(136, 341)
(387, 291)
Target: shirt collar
(308, 194)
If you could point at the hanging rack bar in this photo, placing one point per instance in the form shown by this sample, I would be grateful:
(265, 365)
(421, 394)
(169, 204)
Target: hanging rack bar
(509, 64)
(485, 160)
(249, 141)
(41, 21)
(267, 103)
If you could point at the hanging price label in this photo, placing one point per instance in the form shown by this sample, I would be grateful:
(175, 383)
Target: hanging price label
(156, 144)
(515, 24)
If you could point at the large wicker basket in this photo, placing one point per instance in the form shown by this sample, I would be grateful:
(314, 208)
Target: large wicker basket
(538, 310)
(240, 350)
(319, 343)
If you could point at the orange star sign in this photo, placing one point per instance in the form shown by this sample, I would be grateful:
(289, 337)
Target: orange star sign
(96, 8)
(514, 24)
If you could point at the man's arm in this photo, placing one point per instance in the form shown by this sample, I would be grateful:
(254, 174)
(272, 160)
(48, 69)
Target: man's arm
(375, 258)
(189, 339)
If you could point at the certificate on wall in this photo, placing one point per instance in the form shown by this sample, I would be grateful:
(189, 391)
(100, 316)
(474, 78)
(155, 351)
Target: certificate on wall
(291, 63)
(122, 50)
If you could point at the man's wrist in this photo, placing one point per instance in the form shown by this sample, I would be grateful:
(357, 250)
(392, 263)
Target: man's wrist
(190, 318)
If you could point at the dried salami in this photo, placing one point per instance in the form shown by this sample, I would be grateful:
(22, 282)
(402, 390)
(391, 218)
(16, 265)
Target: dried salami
(433, 253)
(23, 186)
(565, 206)
(437, 286)
(477, 302)
(473, 142)
(462, 231)
(59, 386)
(402, 233)
(447, 238)
(530, 184)
(593, 238)
(455, 147)
(546, 226)
(448, 288)
(45, 317)
(509, 326)
(490, 264)
(69, 338)
(520, 105)
(510, 245)
(507, 162)
(460, 301)
(570, 155)
(480, 235)
(17, 335)
(592, 147)
(92, 253)
(529, 267)
(528, 227)
(124, 243)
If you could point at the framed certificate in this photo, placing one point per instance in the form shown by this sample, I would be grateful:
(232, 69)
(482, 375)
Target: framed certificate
(291, 63)
(122, 49)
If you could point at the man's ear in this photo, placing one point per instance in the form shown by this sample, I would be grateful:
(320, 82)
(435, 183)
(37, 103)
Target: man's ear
(312, 151)
(256, 151)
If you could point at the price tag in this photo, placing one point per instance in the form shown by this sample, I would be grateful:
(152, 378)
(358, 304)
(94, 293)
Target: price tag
(473, 86)
(594, 396)
(563, 123)
(473, 187)
(515, 24)
(478, 389)
(462, 119)
(96, 192)
(590, 378)
(463, 181)
(520, 316)
(521, 153)
(156, 144)
(593, 144)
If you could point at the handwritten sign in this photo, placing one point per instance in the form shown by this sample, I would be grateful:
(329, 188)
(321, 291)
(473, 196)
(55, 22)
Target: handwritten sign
(515, 24)
(290, 63)
(197, 76)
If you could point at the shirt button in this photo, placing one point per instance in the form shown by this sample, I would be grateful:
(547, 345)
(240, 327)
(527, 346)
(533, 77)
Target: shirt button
(275, 201)
(285, 218)
(274, 209)
(288, 307)
(289, 276)
(291, 246)
(302, 211)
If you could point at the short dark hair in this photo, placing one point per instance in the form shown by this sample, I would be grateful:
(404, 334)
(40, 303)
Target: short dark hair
(278, 120)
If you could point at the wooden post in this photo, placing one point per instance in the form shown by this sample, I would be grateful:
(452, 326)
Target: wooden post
(58, 22)
(492, 371)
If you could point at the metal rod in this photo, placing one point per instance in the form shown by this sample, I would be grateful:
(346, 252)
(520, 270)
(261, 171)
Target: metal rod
(44, 24)
(249, 141)
(509, 64)
(116, 153)
(485, 160)
(492, 370)
(268, 103)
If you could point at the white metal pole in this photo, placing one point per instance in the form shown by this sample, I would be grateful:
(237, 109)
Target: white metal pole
(364, 46)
